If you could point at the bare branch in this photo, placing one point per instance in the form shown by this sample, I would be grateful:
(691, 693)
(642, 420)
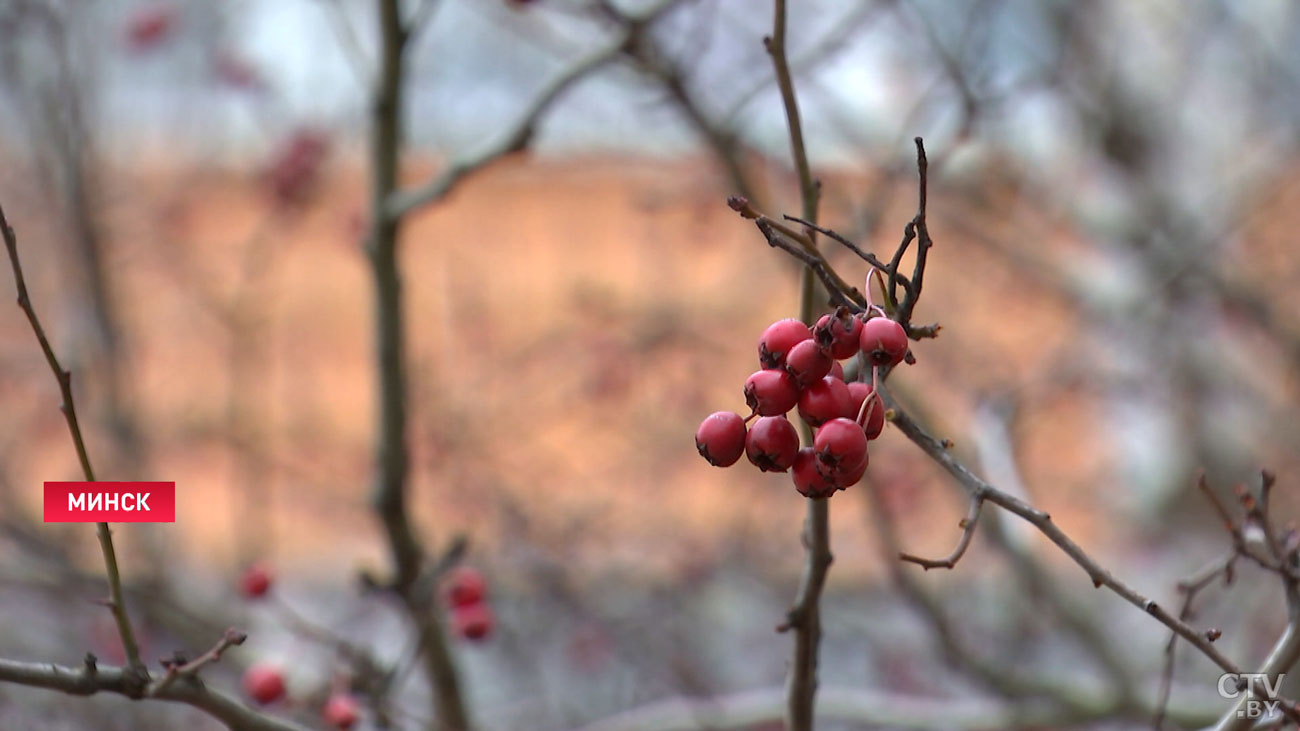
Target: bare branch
(967, 525)
(513, 140)
(858, 707)
(93, 678)
(805, 615)
(1043, 522)
(391, 449)
(138, 674)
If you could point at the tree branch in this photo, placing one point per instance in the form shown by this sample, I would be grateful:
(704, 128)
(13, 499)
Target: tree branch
(92, 678)
(804, 616)
(392, 457)
(137, 672)
(514, 139)
(978, 488)
(967, 525)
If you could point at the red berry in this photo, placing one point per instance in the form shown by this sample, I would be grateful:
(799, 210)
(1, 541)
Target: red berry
(840, 445)
(255, 582)
(464, 585)
(807, 479)
(837, 371)
(884, 341)
(848, 478)
(472, 621)
(771, 393)
(827, 399)
(772, 444)
(875, 416)
(808, 363)
(839, 332)
(264, 683)
(721, 438)
(778, 339)
(235, 71)
(342, 711)
(295, 166)
(149, 26)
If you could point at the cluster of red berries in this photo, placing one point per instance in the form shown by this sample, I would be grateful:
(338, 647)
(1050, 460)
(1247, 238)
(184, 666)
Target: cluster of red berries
(264, 683)
(800, 370)
(465, 592)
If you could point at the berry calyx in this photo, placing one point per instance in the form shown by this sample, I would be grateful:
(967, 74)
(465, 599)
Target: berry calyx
(772, 444)
(840, 446)
(845, 479)
(808, 363)
(827, 399)
(884, 341)
(342, 711)
(721, 438)
(264, 683)
(839, 332)
(464, 585)
(778, 339)
(473, 621)
(873, 419)
(808, 480)
(255, 581)
(771, 392)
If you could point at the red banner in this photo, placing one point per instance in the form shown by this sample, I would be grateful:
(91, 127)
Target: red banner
(110, 502)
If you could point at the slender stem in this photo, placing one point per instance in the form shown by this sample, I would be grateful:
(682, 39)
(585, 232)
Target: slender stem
(117, 604)
(805, 616)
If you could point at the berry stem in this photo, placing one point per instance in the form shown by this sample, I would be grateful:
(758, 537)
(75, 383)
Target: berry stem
(872, 398)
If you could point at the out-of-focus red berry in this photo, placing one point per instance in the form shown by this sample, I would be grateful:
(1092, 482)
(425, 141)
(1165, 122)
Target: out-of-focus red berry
(342, 711)
(473, 621)
(295, 166)
(255, 582)
(464, 585)
(264, 683)
(149, 26)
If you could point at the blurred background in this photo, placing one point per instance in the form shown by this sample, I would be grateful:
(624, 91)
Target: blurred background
(1113, 192)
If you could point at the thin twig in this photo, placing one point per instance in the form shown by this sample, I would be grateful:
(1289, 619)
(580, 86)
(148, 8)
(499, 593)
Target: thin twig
(923, 242)
(188, 669)
(1043, 522)
(866, 256)
(139, 675)
(1189, 589)
(967, 525)
(819, 265)
(517, 135)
